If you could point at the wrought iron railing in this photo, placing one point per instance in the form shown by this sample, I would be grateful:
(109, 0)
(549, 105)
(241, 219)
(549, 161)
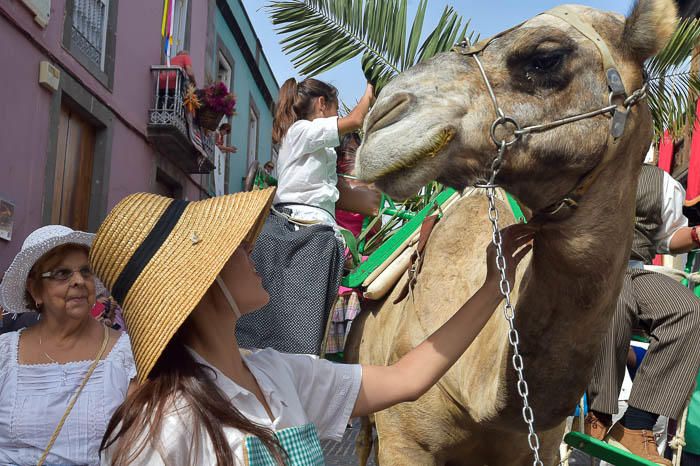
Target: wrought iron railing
(168, 115)
(168, 107)
(89, 28)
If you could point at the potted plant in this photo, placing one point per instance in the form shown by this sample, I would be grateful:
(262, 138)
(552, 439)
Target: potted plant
(211, 104)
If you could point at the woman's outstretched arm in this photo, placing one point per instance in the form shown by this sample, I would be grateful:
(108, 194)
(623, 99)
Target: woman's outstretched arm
(422, 367)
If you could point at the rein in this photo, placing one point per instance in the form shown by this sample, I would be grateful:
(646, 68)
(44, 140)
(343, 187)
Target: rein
(618, 105)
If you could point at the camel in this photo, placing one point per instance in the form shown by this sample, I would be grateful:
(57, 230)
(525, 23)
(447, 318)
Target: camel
(432, 123)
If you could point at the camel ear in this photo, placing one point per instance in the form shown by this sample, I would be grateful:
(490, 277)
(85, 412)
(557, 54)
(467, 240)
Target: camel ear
(649, 26)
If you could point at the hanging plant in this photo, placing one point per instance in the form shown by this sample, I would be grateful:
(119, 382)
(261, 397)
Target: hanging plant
(215, 102)
(217, 98)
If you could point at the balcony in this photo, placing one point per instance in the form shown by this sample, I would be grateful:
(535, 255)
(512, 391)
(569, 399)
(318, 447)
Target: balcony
(171, 129)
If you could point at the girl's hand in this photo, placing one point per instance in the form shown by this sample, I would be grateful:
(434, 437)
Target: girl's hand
(369, 92)
(516, 243)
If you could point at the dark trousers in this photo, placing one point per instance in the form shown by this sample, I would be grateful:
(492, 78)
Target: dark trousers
(666, 377)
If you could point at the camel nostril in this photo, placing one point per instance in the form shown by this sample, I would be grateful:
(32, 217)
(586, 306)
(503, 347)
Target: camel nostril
(389, 111)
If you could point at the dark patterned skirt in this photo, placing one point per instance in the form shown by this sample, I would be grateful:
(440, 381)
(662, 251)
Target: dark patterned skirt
(301, 269)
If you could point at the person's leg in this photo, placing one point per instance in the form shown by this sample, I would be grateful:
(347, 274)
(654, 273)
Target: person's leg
(666, 376)
(609, 370)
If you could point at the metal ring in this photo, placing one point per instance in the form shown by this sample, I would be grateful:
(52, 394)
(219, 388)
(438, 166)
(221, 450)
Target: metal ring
(502, 121)
(611, 96)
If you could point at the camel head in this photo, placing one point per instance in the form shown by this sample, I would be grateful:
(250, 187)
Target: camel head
(432, 122)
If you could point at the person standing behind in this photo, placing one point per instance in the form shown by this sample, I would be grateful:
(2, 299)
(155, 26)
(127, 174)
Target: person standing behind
(184, 61)
(221, 133)
(670, 312)
(301, 247)
(62, 378)
(168, 80)
(308, 128)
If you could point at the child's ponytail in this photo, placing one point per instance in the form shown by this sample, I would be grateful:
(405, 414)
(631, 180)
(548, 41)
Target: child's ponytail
(285, 116)
(296, 102)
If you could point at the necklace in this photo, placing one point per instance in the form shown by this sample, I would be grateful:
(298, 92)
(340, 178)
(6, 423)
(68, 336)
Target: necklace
(47, 354)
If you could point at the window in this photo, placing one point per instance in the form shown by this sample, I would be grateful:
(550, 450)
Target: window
(252, 135)
(179, 26)
(89, 35)
(89, 29)
(73, 174)
(167, 186)
(224, 74)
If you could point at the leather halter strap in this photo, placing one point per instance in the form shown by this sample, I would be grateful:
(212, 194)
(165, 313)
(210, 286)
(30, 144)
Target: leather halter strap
(617, 88)
(568, 15)
(619, 111)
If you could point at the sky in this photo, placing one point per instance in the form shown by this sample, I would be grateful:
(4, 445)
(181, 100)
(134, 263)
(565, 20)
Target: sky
(487, 18)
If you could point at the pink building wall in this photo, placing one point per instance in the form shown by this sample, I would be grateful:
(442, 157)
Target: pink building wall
(25, 107)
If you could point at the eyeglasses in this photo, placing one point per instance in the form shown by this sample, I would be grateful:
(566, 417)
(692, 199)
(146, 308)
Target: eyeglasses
(64, 274)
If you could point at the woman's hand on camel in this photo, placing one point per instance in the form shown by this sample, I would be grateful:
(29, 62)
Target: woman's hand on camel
(422, 367)
(516, 243)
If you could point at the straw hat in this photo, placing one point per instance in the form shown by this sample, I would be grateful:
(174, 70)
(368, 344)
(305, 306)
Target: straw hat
(38, 243)
(159, 256)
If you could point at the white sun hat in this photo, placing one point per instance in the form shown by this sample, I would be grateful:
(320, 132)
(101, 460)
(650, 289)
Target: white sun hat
(38, 243)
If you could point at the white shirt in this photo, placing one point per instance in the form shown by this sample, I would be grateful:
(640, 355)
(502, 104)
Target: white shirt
(307, 164)
(33, 398)
(671, 214)
(299, 389)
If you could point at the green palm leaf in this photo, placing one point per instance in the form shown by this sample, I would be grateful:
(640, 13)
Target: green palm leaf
(673, 88)
(321, 34)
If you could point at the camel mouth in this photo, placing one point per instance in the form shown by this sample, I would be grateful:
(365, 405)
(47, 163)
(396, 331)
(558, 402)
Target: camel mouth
(435, 145)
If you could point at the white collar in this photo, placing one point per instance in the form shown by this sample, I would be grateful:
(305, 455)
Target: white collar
(231, 388)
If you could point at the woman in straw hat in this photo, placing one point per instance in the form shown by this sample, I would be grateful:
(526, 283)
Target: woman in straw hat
(61, 379)
(183, 276)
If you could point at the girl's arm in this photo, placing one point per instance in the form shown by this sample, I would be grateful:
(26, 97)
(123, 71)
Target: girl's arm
(353, 121)
(422, 367)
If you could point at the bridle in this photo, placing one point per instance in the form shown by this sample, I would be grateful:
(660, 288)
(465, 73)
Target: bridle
(618, 105)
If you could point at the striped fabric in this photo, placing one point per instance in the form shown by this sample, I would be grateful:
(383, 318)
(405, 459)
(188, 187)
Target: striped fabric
(648, 219)
(665, 379)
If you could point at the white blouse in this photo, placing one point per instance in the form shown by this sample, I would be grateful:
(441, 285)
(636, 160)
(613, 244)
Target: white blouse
(307, 164)
(299, 389)
(34, 397)
(671, 213)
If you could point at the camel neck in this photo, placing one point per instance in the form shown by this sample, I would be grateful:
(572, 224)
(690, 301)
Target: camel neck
(569, 295)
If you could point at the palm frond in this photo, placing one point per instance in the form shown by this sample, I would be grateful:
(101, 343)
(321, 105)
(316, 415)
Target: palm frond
(672, 102)
(321, 34)
(672, 86)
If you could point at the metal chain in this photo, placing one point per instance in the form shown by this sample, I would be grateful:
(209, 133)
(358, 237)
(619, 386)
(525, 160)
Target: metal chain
(533, 439)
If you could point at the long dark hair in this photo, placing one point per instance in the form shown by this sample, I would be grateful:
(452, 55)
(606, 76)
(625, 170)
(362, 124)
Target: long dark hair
(177, 375)
(296, 103)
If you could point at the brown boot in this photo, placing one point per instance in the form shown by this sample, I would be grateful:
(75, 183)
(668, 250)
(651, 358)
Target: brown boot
(595, 426)
(638, 442)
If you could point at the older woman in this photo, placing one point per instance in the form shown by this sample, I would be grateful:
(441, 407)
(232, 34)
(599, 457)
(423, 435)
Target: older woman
(61, 379)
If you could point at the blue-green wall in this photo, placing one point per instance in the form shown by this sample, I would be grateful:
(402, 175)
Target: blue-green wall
(246, 88)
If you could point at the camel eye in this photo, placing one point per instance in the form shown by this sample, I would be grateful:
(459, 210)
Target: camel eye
(547, 63)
